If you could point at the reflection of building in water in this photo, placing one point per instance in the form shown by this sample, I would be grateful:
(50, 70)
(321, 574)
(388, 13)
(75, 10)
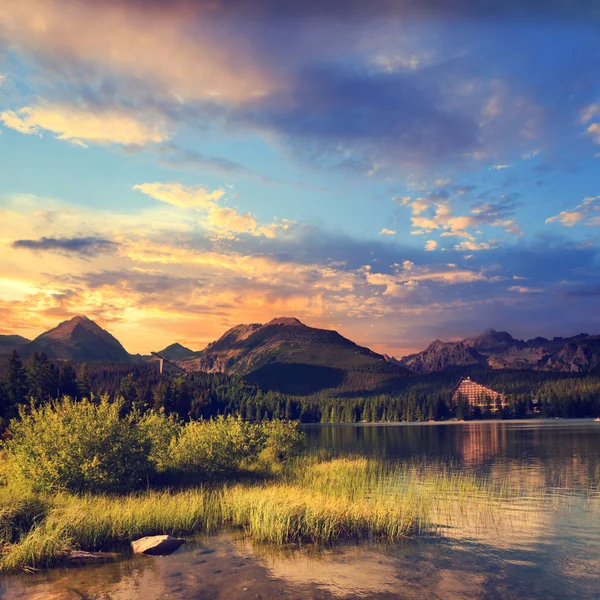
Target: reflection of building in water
(481, 442)
(476, 395)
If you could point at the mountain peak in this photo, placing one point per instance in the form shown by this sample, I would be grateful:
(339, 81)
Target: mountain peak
(176, 351)
(285, 321)
(80, 319)
(288, 356)
(80, 338)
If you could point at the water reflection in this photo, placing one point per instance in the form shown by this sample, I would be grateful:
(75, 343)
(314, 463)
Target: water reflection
(559, 453)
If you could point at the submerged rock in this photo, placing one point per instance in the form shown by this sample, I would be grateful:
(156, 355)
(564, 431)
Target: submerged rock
(80, 557)
(156, 545)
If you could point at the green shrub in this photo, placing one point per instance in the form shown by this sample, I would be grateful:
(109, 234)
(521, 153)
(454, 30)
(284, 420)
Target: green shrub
(161, 431)
(283, 441)
(217, 446)
(78, 446)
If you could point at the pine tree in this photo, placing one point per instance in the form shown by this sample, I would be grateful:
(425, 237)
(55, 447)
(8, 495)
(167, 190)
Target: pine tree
(83, 381)
(42, 377)
(67, 381)
(15, 385)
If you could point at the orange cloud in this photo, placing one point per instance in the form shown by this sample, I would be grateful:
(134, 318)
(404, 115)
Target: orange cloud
(581, 213)
(222, 221)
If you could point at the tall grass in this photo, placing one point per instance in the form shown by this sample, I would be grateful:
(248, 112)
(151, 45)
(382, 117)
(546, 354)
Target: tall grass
(311, 499)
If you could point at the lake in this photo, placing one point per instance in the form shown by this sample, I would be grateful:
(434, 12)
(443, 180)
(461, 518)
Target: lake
(543, 542)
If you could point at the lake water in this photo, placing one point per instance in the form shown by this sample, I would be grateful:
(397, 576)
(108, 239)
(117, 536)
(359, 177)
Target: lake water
(545, 543)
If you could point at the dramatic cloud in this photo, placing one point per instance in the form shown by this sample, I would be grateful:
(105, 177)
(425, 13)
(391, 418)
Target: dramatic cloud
(368, 93)
(300, 120)
(84, 246)
(175, 48)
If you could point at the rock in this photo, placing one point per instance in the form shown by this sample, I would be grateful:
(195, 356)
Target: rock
(80, 557)
(156, 545)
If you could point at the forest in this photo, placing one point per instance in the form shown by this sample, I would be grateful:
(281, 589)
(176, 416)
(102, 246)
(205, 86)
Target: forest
(205, 395)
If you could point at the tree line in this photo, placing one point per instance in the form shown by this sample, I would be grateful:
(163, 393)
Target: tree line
(205, 395)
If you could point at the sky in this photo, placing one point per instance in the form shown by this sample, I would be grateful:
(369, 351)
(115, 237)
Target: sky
(399, 171)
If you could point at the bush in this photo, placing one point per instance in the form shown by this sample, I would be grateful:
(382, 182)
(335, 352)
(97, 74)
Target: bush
(161, 431)
(78, 446)
(221, 445)
(283, 441)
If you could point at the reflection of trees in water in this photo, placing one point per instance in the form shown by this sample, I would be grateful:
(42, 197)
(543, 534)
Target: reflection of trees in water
(566, 453)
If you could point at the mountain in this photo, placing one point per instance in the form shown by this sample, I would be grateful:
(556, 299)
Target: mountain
(8, 343)
(499, 350)
(288, 356)
(442, 356)
(79, 339)
(176, 352)
(581, 354)
(493, 342)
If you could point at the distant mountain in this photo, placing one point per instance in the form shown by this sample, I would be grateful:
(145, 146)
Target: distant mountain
(8, 343)
(79, 339)
(176, 352)
(442, 356)
(286, 355)
(499, 350)
(580, 354)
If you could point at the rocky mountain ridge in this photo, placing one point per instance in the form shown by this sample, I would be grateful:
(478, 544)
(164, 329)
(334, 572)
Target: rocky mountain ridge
(285, 354)
(284, 349)
(499, 350)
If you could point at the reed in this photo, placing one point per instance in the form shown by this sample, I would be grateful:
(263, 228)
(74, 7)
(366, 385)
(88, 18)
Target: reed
(311, 499)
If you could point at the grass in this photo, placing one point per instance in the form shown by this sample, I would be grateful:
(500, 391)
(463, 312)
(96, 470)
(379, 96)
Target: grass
(312, 499)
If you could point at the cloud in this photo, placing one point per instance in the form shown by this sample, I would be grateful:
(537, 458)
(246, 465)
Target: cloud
(83, 246)
(176, 194)
(582, 213)
(314, 274)
(385, 231)
(524, 290)
(79, 125)
(177, 47)
(179, 158)
(593, 131)
(470, 246)
(435, 212)
(391, 89)
(431, 245)
(223, 221)
(590, 112)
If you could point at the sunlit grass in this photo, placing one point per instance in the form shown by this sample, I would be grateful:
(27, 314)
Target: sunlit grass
(312, 499)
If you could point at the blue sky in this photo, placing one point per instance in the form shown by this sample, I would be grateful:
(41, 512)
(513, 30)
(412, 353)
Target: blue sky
(398, 171)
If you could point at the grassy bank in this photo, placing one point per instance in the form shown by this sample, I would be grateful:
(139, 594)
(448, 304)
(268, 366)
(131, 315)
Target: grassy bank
(311, 499)
(93, 475)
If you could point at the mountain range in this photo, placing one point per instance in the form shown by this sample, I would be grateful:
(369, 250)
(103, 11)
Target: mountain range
(499, 350)
(287, 355)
